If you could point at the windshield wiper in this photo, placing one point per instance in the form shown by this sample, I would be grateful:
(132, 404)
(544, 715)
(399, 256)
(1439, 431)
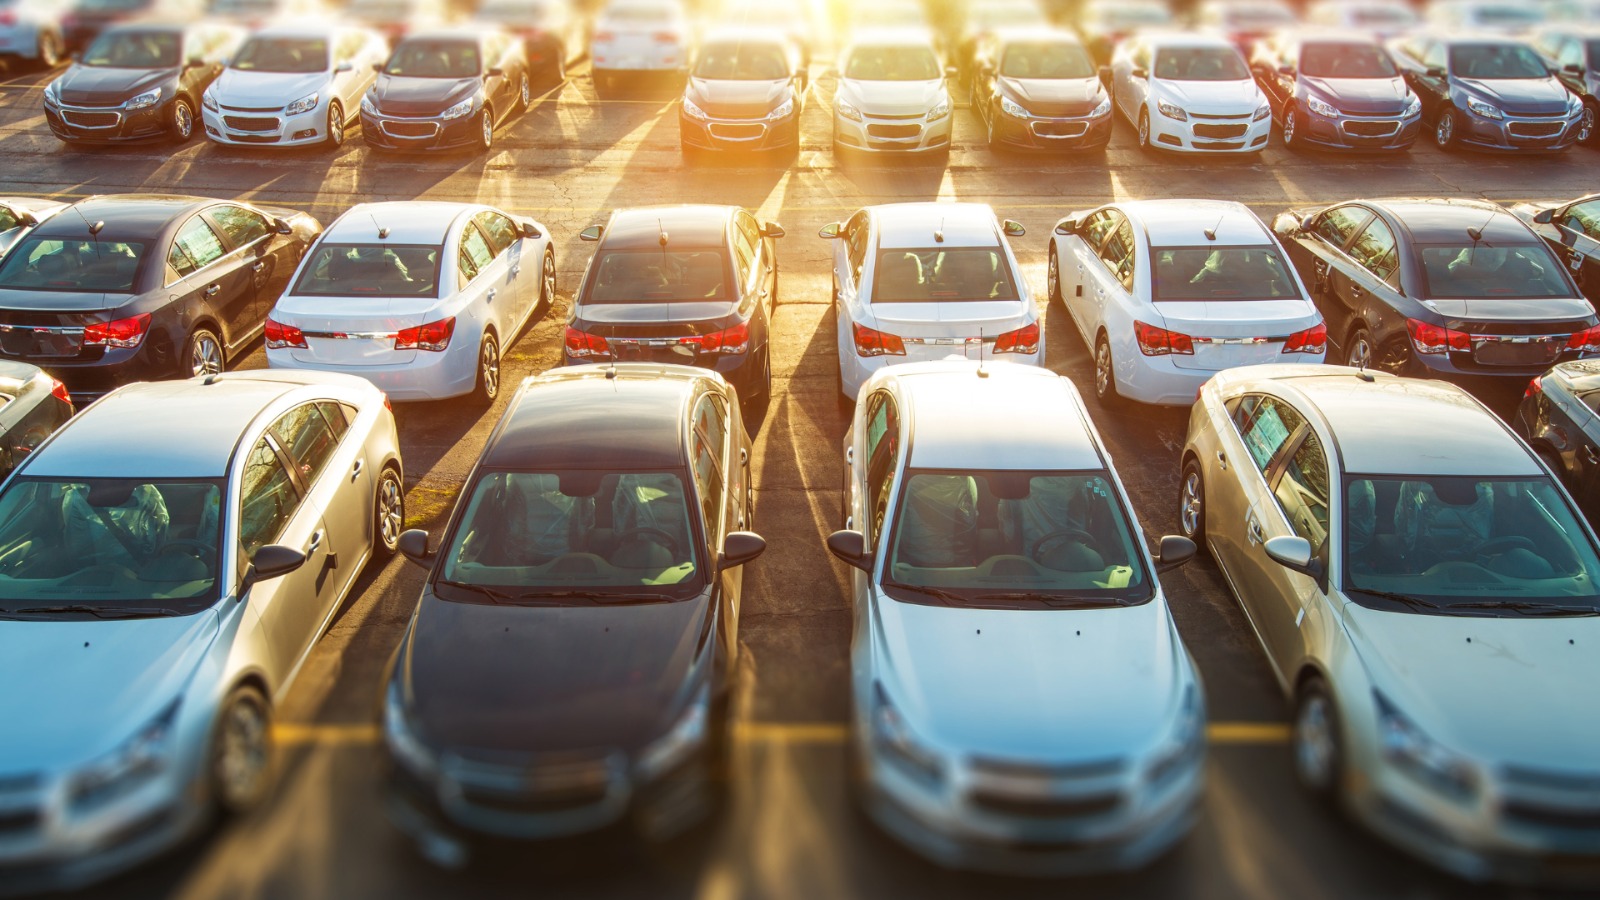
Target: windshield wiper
(1403, 599)
(104, 612)
(495, 596)
(598, 596)
(1053, 600)
(948, 598)
(1529, 609)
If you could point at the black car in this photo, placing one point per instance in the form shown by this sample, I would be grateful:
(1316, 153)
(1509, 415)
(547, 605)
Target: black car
(1560, 419)
(551, 32)
(982, 20)
(1452, 289)
(446, 88)
(1573, 53)
(138, 287)
(1488, 92)
(568, 664)
(84, 20)
(1572, 230)
(32, 405)
(1103, 24)
(1039, 90)
(139, 82)
(1336, 91)
(746, 90)
(680, 284)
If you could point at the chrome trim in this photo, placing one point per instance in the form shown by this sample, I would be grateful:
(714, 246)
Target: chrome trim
(1242, 340)
(948, 342)
(1394, 129)
(711, 129)
(1082, 123)
(64, 110)
(44, 329)
(384, 125)
(352, 335)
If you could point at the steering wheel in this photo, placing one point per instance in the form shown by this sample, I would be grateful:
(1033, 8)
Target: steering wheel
(206, 553)
(1496, 546)
(667, 539)
(1056, 537)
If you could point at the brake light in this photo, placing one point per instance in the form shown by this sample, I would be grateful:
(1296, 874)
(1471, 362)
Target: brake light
(1535, 388)
(280, 336)
(431, 336)
(1023, 340)
(583, 345)
(729, 340)
(1437, 339)
(872, 342)
(1312, 340)
(1585, 341)
(8, 17)
(59, 391)
(604, 36)
(1155, 341)
(386, 404)
(665, 37)
(122, 333)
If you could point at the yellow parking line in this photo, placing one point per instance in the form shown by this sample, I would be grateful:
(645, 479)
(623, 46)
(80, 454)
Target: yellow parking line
(1248, 733)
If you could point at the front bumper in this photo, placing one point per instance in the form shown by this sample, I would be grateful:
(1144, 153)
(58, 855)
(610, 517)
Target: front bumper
(1518, 132)
(1046, 133)
(107, 125)
(739, 134)
(1359, 132)
(253, 128)
(1209, 135)
(419, 132)
(876, 134)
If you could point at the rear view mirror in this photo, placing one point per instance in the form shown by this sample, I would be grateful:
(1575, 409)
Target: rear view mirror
(851, 547)
(1544, 217)
(1293, 553)
(414, 544)
(829, 231)
(1013, 228)
(271, 561)
(530, 230)
(739, 548)
(772, 230)
(592, 233)
(282, 226)
(495, 72)
(1173, 551)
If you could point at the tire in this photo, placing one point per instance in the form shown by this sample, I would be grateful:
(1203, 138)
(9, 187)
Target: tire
(487, 386)
(766, 371)
(336, 135)
(1052, 277)
(524, 93)
(1105, 375)
(204, 354)
(388, 514)
(1358, 348)
(1317, 748)
(1586, 131)
(239, 761)
(1553, 460)
(1192, 503)
(1444, 131)
(547, 280)
(1290, 126)
(49, 50)
(180, 121)
(1144, 131)
(994, 145)
(486, 130)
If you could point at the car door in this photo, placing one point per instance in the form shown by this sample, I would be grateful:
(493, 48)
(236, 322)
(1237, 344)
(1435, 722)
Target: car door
(759, 286)
(871, 466)
(1365, 292)
(1430, 78)
(503, 88)
(1297, 504)
(708, 455)
(1114, 306)
(482, 294)
(1083, 279)
(250, 236)
(211, 281)
(517, 294)
(1319, 255)
(1577, 243)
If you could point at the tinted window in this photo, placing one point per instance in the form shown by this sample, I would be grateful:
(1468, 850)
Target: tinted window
(855, 237)
(1098, 226)
(960, 273)
(1118, 253)
(475, 254)
(1352, 60)
(134, 50)
(1200, 64)
(339, 417)
(1302, 492)
(1047, 59)
(432, 58)
(742, 62)
(242, 226)
(370, 270)
(8, 219)
(1221, 273)
(1583, 218)
(51, 264)
(267, 498)
(282, 54)
(1337, 224)
(1264, 424)
(305, 435)
(709, 444)
(1514, 271)
(1375, 250)
(199, 244)
(883, 448)
(893, 63)
(500, 231)
(1496, 61)
(653, 276)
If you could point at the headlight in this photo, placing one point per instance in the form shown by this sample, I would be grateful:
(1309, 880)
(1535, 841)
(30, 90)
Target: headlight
(139, 759)
(894, 740)
(1414, 108)
(694, 111)
(844, 109)
(1262, 112)
(1322, 107)
(784, 110)
(144, 101)
(1186, 744)
(1171, 111)
(369, 103)
(208, 101)
(1483, 109)
(1104, 109)
(686, 736)
(940, 110)
(1416, 754)
(1574, 105)
(1012, 108)
(303, 105)
(463, 108)
(403, 743)
(52, 93)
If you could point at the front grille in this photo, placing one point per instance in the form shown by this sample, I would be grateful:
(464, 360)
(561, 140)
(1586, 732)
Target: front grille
(533, 804)
(247, 123)
(1535, 129)
(737, 132)
(1489, 350)
(410, 129)
(1222, 132)
(1205, 116)
(256, 138)
(904, 118)
(1060, 129)
(1371, 129)
(252, 109)
(91, 119)
(17, 821)
(1551, 817)
(1045, 807)
(534, 785)
(1218, 145)
(894, 131)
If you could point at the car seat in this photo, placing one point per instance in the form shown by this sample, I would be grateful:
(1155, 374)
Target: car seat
(129, 534)
(939, 527)
(901, 277)
(1430, 529)
(648, 519)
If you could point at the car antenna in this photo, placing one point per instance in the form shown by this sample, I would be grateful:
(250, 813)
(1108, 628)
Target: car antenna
(1477, 235)
(938, 235)
(662, 239)
(382, 231)
(982, 373)
(1361, 370)
(1211, 233)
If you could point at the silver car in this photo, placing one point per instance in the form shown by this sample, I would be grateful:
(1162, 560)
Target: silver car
(1425, 592)
(167, 560)
(1022, 701)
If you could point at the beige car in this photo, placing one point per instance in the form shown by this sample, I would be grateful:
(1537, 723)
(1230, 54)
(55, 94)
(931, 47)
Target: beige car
(1424, 590)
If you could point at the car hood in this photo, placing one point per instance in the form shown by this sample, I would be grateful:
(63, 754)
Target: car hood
(533, 679)
(60, 301)
(266, 90)
(1049, 684)
(106, 86)
(91, 684)
(1225, 98)
(1491, 308)
(399, 95)
(738, 99)
(892, 98)
(1054, 96)
(1520, 96)
(1482, 685)
(1362, 96)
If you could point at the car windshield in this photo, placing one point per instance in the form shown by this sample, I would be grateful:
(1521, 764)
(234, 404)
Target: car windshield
(430, 58)
(1200, 64)
(1508, 15)
(994, 14)
(1221, 273)
(371, 270)
(641, 13)
(660, 276)
(1467, 271)
(113, 543)
(1030, 539)
(1129, 16)
(1368, 16)
(1257, 16)
(1491, 62)
(134, 50)
(574, 530)
(892, 63)
(1469, 545)
(264, 54)
(111, 5)
(742, 62)
(1352, 60)
(72, 265)
(511, 9)
(241, 6)
(905, 275)
(1047, 59)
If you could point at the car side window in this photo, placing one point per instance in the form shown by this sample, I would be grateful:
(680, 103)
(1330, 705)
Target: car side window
(350, 47)
(1435, 56)
(1337, 224)
(500, 231)
(1374, 249)
(1302, 491)
(1097, 226)
(856, 244)
(748, 239)
(1264, 424)
(195, 247)
(8, 219)
(1583, 218)
(339, 417)
(883, 448)
(475, 253)
(1118, 253)
(242, 226)
(1289, 54)
(1571, 54)
(267, 498)
(1141, 56)
(709, 440)
(305, 435)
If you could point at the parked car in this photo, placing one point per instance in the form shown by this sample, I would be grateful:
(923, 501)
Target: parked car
(1383, 19)
(680, 284)
(1491, 93)
(925, 281)
(399, 19)
(746, 91)
(293, 85)
(445, 89)
(891, 95)
(1170, 292)
(1105, 24)
(257, 13)
(1189, 93)
(132, 287)
(1453, 289)
(1336, 90)
(1039, 90)
(1560, 419)
(634, 38)
(794, 19)
(139, 82)
(983, 20)
(552, 32)
(83, 20)
(569, 664)
(1486, 16)
(19, 215)
(1243, 22)
(1572, 231)
(978, 736)
(189, 541)
(1571, 53)
(31, 32)
(32, 406)
(420, 298)
(1415, 576)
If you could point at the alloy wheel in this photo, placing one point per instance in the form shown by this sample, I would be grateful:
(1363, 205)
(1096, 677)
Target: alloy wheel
(1052, 276)
(1445, 131)
(1586, 129)
(1192, 510)
(182, 121)
(489, 369)
(1359, 355)
(242, 753)
(1315, 750)
(1144, 129)
(205, 354)
(335, 126)
(525, 93)
(391, 514)
(1289, 122)
(548, 289)
(1102, 370)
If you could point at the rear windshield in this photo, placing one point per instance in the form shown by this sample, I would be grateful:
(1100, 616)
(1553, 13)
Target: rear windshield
(1346, 61)
(1496, 61)
(1047, 59)
(282, 55)
(641, 13)
(937, 274)
(1517, 271)
(72, 265)
(1200, 64)
(660, 276)
(1221, 273)
(892, 63)
(429, 58)
(1129, 16)
(1258, 16)
(134, 50)
(371, 270)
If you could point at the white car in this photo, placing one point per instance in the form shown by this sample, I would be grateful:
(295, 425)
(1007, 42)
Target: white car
(891, 95)
(420, 298)
(1022, 701)
(638, 37)
(927, 281)
(20, 215)
(294, 84)
(31, 32)
(1505, 17)
(1384, 19)
(1170, 292)
(1190, 93)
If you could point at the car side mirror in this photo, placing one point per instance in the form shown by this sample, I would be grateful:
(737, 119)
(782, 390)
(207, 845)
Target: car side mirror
(413, 544)
(27, 219)
(592, 233)
(1544, 217)
(738, 548)
(829, 231)
(1104, 72)
(495, 72)
(1013, 228)
(195, 62)
(378, 67)
(772, 230)
(1140, 72)
(1067, 226)
(1172, 551)
(530, 230)
(951, 71)
(1293, 552)
(271, 561)
(1572, 69)
(1434, 72)
(1308, 223)
(851, 547)
(345, 66)
(282, 226)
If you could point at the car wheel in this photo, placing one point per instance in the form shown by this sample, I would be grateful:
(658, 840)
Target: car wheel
(180, 122)
(994, 145)
(388, 514)
(1586, 129)
(524, 93)
(1105, 374)
(1318, 756)
(547, 280)
(204, 353)
(691, 153)
(766, 370)
(1291, 122)
(1358, 348)
(49, 50)
(558, 72)
(1053, 277)
(1192, 504)
(1144, 130)
(488, 384)
(1444, 130)
(335, 138)
(486, 129)
(241, 752)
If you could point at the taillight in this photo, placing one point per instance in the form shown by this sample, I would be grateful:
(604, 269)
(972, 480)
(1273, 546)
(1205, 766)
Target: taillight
(432, 336)
(123, 333)
(872, 342)
(1155, 341)
(386, 404)
(59, 391)
(280, 336)
(1585, 341)
(1535, 388)
(583, 345)
(604, 36)
(8, 18)
(729, 340)
(1433, 339)
(1312, 340)
(1023, 340)
(665, 37)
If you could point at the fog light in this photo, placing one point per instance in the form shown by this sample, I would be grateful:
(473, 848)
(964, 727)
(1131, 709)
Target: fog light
(304, 133)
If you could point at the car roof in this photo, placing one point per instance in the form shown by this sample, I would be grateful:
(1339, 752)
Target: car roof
(1429, 219)
(1017, 417)
(1158, 39)
(124, 215)
(408, 221)
(743, 34)
(892, 36)
(914, 224)
(1582, 375)
(1183, 223)
(701, 226)
(578, 417)
(299, 28)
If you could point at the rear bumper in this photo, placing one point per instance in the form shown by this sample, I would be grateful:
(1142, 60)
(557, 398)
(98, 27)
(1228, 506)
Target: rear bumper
(429, 376)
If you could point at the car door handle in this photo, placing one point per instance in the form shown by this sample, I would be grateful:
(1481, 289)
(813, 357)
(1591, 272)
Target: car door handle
(1253, 530)
(259, 267)
(1590, 455)
(316, 541)
(490, 296)
(1357, 290)
(213, 289)
(1222, 460)
(356, 471)
(515, 271)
